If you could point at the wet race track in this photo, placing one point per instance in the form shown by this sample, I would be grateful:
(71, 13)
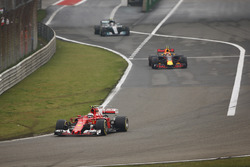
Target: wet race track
(176, 114)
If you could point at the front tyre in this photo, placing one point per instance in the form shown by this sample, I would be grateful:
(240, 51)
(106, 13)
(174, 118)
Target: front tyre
(101, 124)
(97, 30)
(154, 63)
(183, 60)
(103, 32)
(61, 124)
(150, 60)
(121, 123)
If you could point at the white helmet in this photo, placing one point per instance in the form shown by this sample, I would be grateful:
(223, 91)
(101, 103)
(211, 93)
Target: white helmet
(90, 115)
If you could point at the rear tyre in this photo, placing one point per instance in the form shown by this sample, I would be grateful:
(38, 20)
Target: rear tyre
(97, 30)
(103, 33)
(183, 60)
(127, 31)
(101, 124)
(121, 123)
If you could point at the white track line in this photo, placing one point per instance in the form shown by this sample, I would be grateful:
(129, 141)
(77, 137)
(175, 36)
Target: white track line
(142, 33)
(59, 9)
(155, 30)
(79, 3)
(237, 83)
(112, 15)
(53, 15)
(26, 138)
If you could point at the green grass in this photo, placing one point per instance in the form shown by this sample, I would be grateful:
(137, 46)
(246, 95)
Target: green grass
(41, 14)
(230, 162)
(77, 76)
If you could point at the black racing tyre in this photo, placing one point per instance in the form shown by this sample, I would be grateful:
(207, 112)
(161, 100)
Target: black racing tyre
(183, 60)
(101, 124)
(155, 61)
(149, 60)
(97, 30)
(121, 123)
(176, 58)
(127, 31)
(103, 32)
(61, 124)
(185, 65)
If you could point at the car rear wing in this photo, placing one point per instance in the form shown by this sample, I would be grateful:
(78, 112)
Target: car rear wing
(163, 50)
(110, 111)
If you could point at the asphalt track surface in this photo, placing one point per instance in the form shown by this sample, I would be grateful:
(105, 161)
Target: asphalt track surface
(178, 114)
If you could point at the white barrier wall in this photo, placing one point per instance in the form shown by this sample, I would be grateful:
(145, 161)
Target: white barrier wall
(20, 71)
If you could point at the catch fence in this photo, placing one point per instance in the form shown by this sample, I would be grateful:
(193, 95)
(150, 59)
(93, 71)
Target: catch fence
(18, 31)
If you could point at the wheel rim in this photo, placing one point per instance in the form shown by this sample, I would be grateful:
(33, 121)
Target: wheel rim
(105, 132)
(126, 124)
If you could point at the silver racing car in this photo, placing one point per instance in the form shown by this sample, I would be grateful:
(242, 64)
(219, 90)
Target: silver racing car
(111, 28)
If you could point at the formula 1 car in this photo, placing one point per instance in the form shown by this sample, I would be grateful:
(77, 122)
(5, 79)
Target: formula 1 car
(97, 122)
(111, 28)
(166, 58)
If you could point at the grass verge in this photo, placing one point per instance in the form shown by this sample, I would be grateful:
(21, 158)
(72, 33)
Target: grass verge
(77, 76)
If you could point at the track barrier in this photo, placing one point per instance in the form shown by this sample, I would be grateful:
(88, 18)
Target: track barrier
(17, 73)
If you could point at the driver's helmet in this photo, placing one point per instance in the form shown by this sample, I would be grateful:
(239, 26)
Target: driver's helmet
(90, 115)
(111, 22)
(167, 51)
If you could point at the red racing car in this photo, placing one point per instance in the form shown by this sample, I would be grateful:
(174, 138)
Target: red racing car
(99, 121)
(166, 58)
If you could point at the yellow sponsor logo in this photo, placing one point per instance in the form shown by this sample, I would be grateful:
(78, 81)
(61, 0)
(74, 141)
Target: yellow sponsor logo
(170, 63)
